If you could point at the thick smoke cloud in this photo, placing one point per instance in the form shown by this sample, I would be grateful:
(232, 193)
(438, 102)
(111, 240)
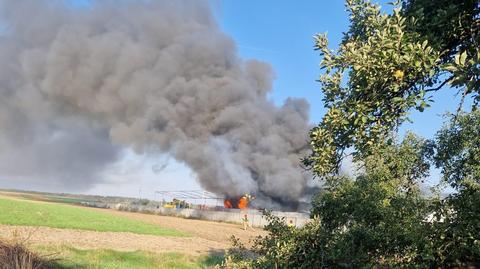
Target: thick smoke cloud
(78, 85)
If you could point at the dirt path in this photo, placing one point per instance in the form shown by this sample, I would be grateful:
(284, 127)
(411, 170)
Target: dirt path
(110, 240)
(209, 230)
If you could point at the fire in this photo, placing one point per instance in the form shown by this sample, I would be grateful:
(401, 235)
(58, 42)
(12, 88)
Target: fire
(239, 202)
(227, 203)
(243, 203)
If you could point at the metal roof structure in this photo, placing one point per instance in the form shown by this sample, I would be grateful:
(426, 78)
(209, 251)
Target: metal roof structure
(190, 194)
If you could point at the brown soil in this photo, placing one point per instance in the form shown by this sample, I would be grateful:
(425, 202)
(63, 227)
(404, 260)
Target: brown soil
(109, 240)
(213, 231)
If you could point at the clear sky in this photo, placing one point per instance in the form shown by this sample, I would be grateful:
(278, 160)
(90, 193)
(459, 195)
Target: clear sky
(281, 34)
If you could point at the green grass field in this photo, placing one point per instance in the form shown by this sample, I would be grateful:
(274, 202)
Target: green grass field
(27, 213)
(70, 258)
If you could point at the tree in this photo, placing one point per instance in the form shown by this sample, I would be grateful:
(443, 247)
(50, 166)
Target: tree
(458, 150)
(451, 26)
(391, 64)
(376, 220)
(457, 153)
(386, 66)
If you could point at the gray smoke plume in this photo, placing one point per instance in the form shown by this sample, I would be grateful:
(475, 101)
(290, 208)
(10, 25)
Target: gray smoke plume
(79, 84)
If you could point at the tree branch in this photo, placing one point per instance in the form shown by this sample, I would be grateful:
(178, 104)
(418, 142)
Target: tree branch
(460, 106)
(440, 86)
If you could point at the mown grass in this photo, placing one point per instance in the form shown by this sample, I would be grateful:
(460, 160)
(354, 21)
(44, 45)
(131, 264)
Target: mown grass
(27, 213)
(71, 258)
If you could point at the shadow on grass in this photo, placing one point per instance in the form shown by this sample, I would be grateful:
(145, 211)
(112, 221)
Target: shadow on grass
(214, 257)
(72, 258)
(72, 266)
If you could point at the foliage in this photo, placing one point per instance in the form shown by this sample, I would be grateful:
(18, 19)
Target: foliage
(457, 153)
(385, 67)
(455, 229)
(377, 219)
(453, 28)
(283, 247)
(16, 212)
(449, 25)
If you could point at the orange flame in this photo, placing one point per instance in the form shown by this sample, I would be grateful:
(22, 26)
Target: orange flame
(240, 203)
(243, 203)
(227, 203)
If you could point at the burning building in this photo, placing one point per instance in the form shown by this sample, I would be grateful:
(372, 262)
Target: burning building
(238, 202)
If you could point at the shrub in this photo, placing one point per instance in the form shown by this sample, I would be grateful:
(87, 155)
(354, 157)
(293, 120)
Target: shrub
(17, 256)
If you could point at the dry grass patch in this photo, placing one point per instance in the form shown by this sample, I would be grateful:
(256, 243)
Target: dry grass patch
(14, 255)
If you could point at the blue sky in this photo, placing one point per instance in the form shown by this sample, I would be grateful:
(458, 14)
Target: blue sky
(281, 34)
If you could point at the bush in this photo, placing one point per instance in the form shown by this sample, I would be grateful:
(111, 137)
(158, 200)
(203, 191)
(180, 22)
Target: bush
(379, 219)
(17, 256)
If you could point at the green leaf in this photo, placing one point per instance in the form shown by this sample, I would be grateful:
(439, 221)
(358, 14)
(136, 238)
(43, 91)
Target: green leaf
(424, 44)
(462, 58)
(397, 99)
(450, 67)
